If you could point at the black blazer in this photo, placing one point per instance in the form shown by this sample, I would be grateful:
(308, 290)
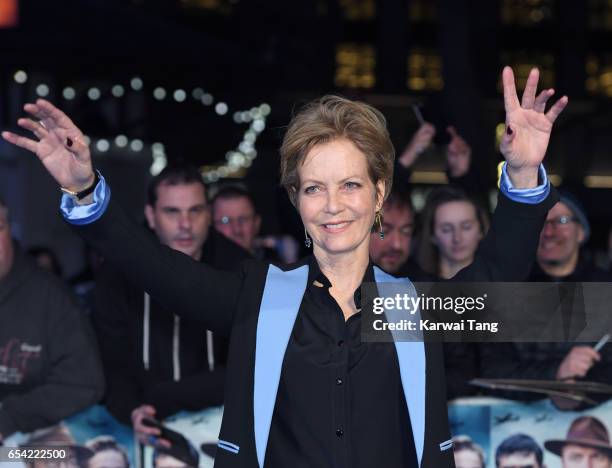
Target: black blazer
(231, 300)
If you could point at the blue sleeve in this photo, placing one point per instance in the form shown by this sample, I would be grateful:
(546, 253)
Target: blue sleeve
(86, 214)
(530, 196)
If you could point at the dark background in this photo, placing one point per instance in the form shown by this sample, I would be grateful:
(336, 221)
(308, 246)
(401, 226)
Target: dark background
(445, 55)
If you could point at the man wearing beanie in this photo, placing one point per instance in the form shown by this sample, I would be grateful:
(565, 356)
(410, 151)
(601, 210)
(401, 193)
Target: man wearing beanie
(559, 257)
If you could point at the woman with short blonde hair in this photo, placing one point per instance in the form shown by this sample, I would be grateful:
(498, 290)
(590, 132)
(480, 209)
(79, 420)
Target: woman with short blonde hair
(330, 118)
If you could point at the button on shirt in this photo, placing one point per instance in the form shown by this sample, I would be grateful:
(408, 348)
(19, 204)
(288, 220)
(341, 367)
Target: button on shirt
(340, 402)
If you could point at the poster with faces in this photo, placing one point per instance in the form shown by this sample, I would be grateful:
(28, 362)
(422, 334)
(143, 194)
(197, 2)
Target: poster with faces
(487, 423)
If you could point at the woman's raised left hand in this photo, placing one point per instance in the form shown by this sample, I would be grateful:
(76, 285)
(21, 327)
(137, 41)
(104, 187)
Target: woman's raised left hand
(528, 128)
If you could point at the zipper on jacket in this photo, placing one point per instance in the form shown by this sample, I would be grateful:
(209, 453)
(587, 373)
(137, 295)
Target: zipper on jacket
(210, 350)
(176, 339)
(145, 332)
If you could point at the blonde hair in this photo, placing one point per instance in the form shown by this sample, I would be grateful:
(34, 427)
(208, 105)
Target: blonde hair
(329, 118)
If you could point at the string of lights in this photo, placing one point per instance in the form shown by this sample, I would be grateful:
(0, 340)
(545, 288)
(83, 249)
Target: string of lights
(237, 159)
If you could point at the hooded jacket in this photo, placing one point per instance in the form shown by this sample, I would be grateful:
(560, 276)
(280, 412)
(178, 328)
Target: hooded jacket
(49, 363)
(153, 356)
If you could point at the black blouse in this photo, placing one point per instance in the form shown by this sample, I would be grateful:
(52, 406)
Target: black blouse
(340, 402)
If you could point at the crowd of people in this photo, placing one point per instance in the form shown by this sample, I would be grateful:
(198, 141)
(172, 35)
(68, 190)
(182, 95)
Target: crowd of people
(142, 357)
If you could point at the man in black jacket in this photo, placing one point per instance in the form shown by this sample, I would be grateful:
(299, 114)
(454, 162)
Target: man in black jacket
(49, 364)
(559, 260)
(156, 363)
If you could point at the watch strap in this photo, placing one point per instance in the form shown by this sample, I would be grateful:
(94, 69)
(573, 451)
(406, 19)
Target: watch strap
(83, 193)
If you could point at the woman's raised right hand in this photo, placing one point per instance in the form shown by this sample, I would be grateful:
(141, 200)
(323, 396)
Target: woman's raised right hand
(59, 144)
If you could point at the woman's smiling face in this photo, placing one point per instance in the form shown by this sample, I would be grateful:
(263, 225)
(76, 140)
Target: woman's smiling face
(337, 200)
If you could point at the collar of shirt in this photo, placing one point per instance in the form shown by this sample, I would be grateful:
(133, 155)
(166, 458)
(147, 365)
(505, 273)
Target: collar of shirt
(316, 278)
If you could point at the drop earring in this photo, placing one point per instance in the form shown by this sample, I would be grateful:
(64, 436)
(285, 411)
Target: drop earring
(379, 222)
(307, 240)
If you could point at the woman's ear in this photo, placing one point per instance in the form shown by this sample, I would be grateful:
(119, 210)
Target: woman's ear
(380, 194)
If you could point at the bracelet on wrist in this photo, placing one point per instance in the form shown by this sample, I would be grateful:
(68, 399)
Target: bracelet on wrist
(83, 193)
